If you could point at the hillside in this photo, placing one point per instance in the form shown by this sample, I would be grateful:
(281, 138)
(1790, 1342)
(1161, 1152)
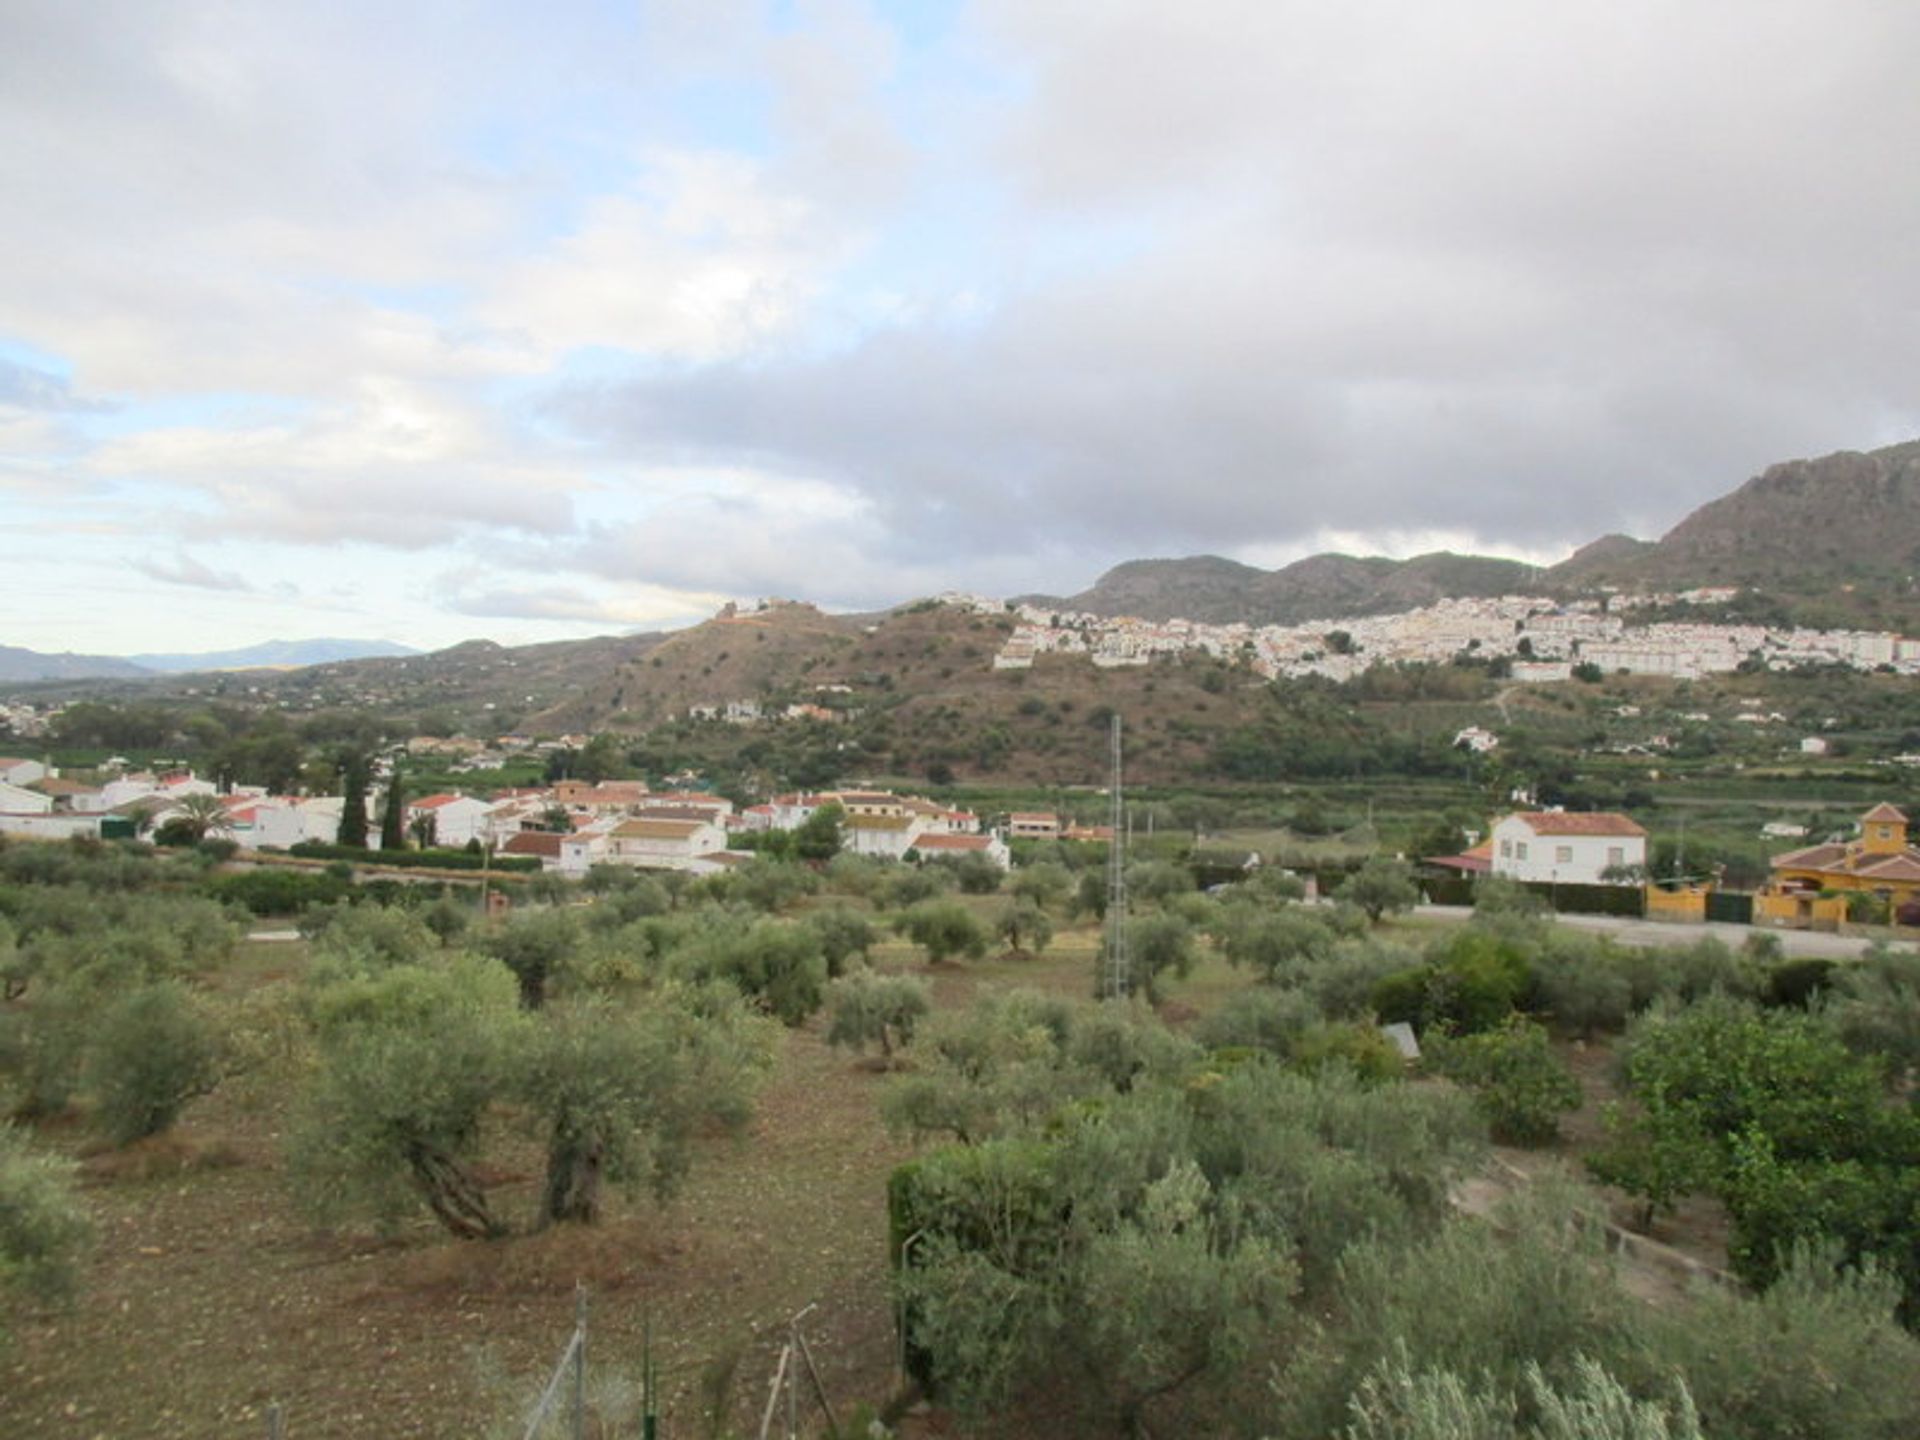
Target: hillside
(18, 664)
(275, 654)
(1320, 587)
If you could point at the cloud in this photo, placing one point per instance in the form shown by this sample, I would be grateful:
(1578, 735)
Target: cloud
(1525, 274)
(402, 466)
(645, 606)
(183, 569)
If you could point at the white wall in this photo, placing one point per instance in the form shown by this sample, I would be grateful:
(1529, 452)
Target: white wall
(1566, 859)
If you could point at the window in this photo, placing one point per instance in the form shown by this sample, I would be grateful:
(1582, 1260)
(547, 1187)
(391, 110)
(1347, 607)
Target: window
(1563, 854)
(1519, 849)
(1616, 855)
(1506, 849)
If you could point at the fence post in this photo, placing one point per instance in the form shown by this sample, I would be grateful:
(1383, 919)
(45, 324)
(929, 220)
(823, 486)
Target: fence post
(580, 1362)
(276, 1422)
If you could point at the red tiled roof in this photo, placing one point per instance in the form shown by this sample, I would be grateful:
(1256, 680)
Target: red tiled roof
(533, 842)
(1560, 822)
(1884, 812)
(433, 802)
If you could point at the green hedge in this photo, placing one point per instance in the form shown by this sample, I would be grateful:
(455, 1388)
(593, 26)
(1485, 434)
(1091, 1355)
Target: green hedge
(415, 859)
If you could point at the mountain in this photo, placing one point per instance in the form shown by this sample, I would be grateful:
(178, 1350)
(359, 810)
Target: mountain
(17, 664)
(1320, 587)
(272, 654)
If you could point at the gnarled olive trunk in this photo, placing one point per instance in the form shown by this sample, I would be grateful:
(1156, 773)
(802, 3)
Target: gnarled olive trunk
(451, 1192)
(574, 1172)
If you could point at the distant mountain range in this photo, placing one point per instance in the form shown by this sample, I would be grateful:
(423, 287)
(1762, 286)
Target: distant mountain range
(1835, 540)
(18, 664)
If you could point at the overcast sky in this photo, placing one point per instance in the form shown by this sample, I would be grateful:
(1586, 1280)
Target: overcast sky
(435, 320)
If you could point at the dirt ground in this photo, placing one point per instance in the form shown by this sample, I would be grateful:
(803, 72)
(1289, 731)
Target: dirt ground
(208, 1297)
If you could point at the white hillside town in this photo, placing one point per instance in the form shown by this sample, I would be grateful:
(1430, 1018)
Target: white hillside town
(1542, 640)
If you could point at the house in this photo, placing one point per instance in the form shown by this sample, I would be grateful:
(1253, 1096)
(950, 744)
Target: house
(653, 844)
(456, 819)
(18, 800)
(543, 845)
(935, 846)
(1554, 846)
(1880, 863)
(1476, 739)
(1030, 825)
(20, 772)
(887, 837)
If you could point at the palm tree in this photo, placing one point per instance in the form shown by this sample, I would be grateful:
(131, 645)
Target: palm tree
(200, 816)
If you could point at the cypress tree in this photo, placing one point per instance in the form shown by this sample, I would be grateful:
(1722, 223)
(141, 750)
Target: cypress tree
(393, 824)
(353, 813)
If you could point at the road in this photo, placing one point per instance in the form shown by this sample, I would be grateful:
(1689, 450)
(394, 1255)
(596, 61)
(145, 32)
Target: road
(1667, 935)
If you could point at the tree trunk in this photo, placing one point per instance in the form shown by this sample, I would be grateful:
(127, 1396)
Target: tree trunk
(573, 1179)
(455, 1197)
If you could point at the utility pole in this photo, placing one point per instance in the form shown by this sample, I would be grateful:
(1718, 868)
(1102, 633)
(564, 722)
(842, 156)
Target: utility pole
(1117, 970)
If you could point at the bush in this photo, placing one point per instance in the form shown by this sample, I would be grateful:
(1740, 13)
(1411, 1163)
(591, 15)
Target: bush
(1517, 1081)
(151, 1053)
(43, 1228)
(881, 1010)
(276, 891)
(944, 929)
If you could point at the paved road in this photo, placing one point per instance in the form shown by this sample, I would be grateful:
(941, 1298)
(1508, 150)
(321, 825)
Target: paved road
(1665, 934)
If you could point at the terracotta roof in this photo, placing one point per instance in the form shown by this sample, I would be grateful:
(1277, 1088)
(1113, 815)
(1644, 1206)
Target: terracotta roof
(696, 813)
(431, 802)
(1884, 812)
(1904, 866)
(879, 822)
(533, 842)
(1560, 822)
(952, 842)
(1813, 857)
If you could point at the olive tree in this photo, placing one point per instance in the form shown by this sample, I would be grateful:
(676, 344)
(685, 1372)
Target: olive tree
(872, 1009)
(944, 929)
(43, 1227)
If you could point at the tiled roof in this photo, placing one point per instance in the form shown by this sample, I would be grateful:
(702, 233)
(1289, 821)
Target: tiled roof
(1881, 812)
(656, 829)
(533, 842)
(952, 842)
(1560, 822)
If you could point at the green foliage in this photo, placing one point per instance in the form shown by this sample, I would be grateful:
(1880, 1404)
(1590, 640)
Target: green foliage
(619, 1093)
(944, 929)
(770, 886)
(1579, 983)
(1516, 1080)
(535, 946)
(777, 965)
(1396, 1403)
(882, 1010)
(998, 1064)
(1046, 883)
(975, 874)
(411, 1060)
(845, 935)
(1355, 1046)
(1123, 1043)
(1380, 886)
(152, 1050)
(911, 884)
(1873, 1005)
(43, 1226)
(1820, 1353)
(819, 837)
(1157, 881)
(1278, 942)
(1157, 943)
(273, 890)
(1024, 926)
(1259, 1019)
(1503, 895)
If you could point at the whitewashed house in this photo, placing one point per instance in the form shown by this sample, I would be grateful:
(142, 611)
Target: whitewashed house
(1553, 846)
(940, 846)
(456, 818)
(653, 844)
(20, 772)
(17, 800)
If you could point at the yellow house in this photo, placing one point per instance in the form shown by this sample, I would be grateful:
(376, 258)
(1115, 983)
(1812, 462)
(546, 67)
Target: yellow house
(1880, 862)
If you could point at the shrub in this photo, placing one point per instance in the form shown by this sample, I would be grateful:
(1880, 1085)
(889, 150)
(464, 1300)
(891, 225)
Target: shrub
(944, 929)
(1517, 1081)
(43, 1227)
(882, 1010)
(152, 1051)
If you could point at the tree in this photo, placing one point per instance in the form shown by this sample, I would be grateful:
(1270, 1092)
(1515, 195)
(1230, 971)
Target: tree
(1381, 885)
(845, 934)
(43, 1226)
(1156, 943)
(353, 808)
(820, 835)
(1045, 883)
(152, 1052)
(411, 1061)
(944, 929)
(393, 818)
(619, 1095)
(194, 818)
(534, 947)
(871, 1009)
(1516, 1080)
(1023, 921)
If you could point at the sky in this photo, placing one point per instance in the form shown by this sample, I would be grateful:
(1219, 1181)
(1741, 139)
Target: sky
(433, 321)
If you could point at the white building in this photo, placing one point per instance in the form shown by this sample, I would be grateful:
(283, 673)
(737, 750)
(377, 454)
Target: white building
(953, 847)
(1552, 846)
(456, 818)
(15, 800)
(660, 844)
(20, 772)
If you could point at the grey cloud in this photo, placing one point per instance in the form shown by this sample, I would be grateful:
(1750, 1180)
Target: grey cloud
(1528, 272)
(183, 569)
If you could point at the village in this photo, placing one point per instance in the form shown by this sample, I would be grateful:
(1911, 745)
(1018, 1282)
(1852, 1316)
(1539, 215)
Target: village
(1541, 641)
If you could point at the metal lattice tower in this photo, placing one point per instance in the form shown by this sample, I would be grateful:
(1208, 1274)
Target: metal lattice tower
(1117, 971)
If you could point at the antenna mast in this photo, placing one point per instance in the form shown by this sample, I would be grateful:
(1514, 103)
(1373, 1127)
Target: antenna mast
(1117, 972)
